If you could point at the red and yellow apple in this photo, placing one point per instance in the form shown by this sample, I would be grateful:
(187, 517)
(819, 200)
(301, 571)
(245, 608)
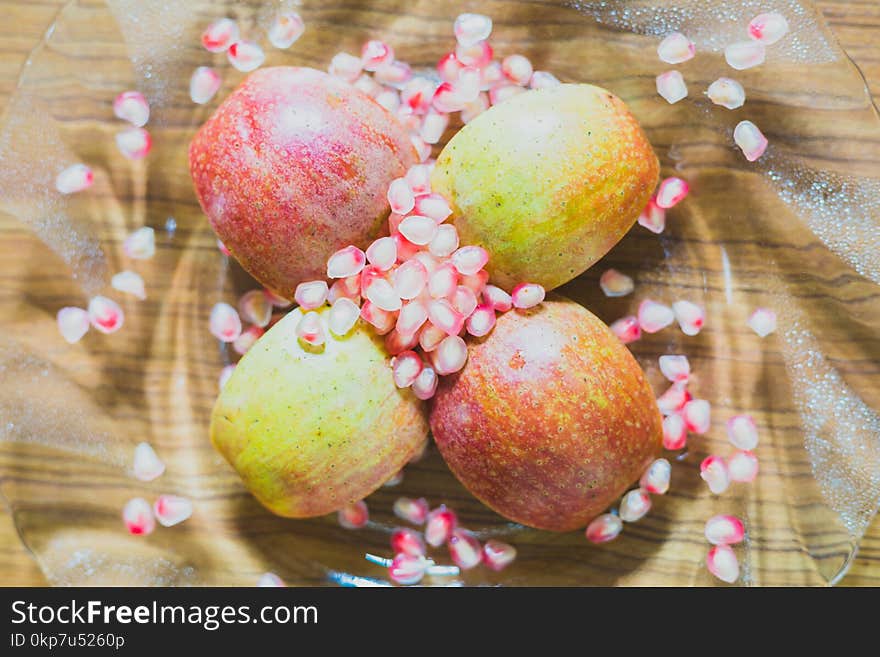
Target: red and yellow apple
(550, 420)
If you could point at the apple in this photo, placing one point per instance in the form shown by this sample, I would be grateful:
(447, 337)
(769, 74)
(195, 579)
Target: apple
(551, 418)
(294, 165)
(309, 429)
(547, 182)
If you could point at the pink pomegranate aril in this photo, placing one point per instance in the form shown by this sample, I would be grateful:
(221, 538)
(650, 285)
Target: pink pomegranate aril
(445, 317)
(418, 229)
(381, 320)
(450, 355)
(497, 555)
(311, 295)
(141, 244)
(410, 279)
(697, 415)
(467, 86)
(723, 564)
(439, 525)
(400, 197)
(430, 337)
(750, 140)
(246, 56)
(343, 316)
(475, 282)
(504, 90)
(497, 298)
(615, 284)
(396, 342)
(671, 87)
(75, 178)
(353, 516)
(653, 217)
(724, 530)
(376, 54)
(425, 384)
(654, 316)
(478, 54)
(671, 192)
(147, 465)
(394, 73)
(419, 179)
(411, 510)
(448, 67)
(131, 106)
(517, 69)
(406, 368)
(543, 80)
(742, 466)
(255, 307)
(626, 329)
(172, 510)
(446, 99)
(674, 432)
(527, 295)
(481, 321)
(445, 242)
(655, 479)
(490, 75)
(604, 528)
(285, 30)
(465, 549)
(138, 517)
(407, 569)
(417, 94)
(381, 293)
(433, 126)
(345, 288)
(713, 470)
(464, 301)
(407, 541)
(745, 54)
(768, 28)
(727, 92)
(634, 505)
(675, 368)
(346, 262)
(310, 330)
(474, 108)
(763, 322)
(472, 28)
(247, 339)
(674, 399)
(411, 317)
(73, 323)
(382, 253)
(676, 48)
(220, 34)
(106, 315)
(690, 317)
(345, 67)
(134, 143)
(434, 206)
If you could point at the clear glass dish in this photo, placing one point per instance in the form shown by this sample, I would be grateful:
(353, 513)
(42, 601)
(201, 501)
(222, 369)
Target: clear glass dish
(798, 231)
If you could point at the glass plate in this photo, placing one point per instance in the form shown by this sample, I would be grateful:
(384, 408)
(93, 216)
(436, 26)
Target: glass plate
(797, 232)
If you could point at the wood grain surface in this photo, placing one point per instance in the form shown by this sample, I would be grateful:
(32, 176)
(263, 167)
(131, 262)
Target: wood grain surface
(857, 27)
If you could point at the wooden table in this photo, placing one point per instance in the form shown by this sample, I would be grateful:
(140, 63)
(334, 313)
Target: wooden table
(856, 24)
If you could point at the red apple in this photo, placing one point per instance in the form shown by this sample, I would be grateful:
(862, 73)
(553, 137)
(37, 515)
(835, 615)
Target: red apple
(550, 420)
(294, 165)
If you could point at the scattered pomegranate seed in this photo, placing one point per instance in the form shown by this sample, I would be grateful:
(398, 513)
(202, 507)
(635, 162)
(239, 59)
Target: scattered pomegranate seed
(543, 80)
(425, 384)
(270, 580)
(204, 85)
(407, 541)
(653, 217)
(345, 288)
(131, 106)
(255, 308)
(676, 48)
(134, 143)
(742, 432)
(444, 317)
(353, 516)
(527, 295)
(440, 523)
(406, 368)
(394, 74)
(400, 196)
(443, 281)
(497, 298)
(727, 92)
(467, 86)
(502, 91)
(497, 555)
(471, 29)
(410, 279)
(382, 253)
(172, 510)
(464, 300)
(604, 528)
(246, 56)
(129, 282)
(345, 66)
(147, 464)
(417, 94)
(310, 330)
(220, 35)
(414, 511)
(615, 284)
(474, 108)
(465, 549)
(382, 320)
(430, 337)
(381, 293)
(517, 69)
(75, 178)
(713, 470)
(376, 54)
(671, 192)
(450, 355)
(445, 242)
(724, 530)
(671, 86)
(247, 339)
(626, 329)
(434, 206)
(224, 377)
(656, 478)
(397, 342)
(763, 322)
(481, 321)
(73, 323)
(675, 368)
(768, 28)
(346, 262)
(745, 54)
(750, 139)
(138, 517)
(490, 75)
(411, 317)
(690, 317)
(742, 467)
(285, 30)
(418, 229)
(389, 99)
(722, 563)
(105, 315)
(448, 67)
(407, 569)
(433, 126)
(311, 295)
(654, 316)
(447, 99)
(634, 505)
(141, 244)
(674, 399)
(696, 414)
(674, 432)
(478, 54)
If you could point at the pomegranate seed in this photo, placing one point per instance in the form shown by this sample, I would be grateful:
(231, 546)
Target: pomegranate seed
(172, 510)
(543, 80)
(376, 54)
(246, 56)
(311, 295)
(477, 54)
(345, 66)
(696, 414)
(672, 191)
(690, 316)
(423, 149)
(626, 329)
(768, 28)
(400, 196)
(448, 67)
(406, 368)
(481, 321)
(445, 317)
(433, 126)
(653, 217)
(345, 288)
(656, 478)
(467, 85)
(129, 282)
(346, 262)
(517, 69)
(105, 315)
(406, 569)
(434, 206)
(674, 399)
(393, 73)
(353, 516)
(417, 94)
(527, 295)
(445, 242)
(414, 511)
(389, 99)
(418, 229)
(285, 30)
(497, 298)
(255, 307)
(382, 320)
(73, 323)
(131, 106)
(465, 549)
(713, 470)
(763, 322)
(425, 384)
(75, 178)
(220, 35)
(275, 300)
(367, 85)
(418, 177)
(270, 580)
(722, 563)
(497, 555)
(411, 317)
(431, 337)
(440, 523)
(446, 99)
(382, 253)
(671, 86)
(750, 139)
(615, 284)
(204, 85)
(310, 330)
(470, 29)
(604, 528)
(503, 91)
(675, 368)
(397, 342)
(138, 517)
(407, 541)
(410, 279)
(745, 54)
(676, 48)
(742, 467)
(450, 355)
(727, 92)
(674, 432)
(134, 143)
(724, 530)
(634, 505)
(247, 339)
(141, 244)
(464, 301)
(225, 375)
(654, 316)
(474, 108)
(381, 293)
(147, 465)
(742, 432)
(394, 480)
(491, 75)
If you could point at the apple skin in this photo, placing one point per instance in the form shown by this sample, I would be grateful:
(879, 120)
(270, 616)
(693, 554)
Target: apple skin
(550, 420)
(294, 165)
(547, 182)
(311, 430)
